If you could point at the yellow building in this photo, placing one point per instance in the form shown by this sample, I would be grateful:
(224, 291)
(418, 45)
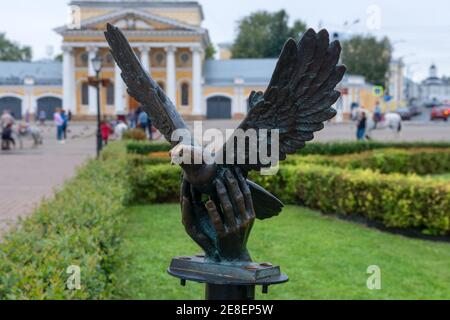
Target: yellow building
(170, 41)
(167, 37)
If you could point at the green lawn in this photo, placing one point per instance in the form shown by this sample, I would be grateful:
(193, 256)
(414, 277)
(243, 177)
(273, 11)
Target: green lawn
(325, 258)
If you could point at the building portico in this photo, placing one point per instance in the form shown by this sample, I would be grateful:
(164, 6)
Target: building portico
(172, 51)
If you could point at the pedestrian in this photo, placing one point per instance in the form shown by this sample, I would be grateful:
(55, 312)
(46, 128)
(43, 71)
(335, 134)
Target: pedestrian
(120, 129)
(69, 115)
(361, 128)
(106, 130)
(42, 117)
(59, 123)
(27, 116)
(144, 123)
(132, 119)
(6, 119)
(7, 138)
(65, 118)
(377, 114)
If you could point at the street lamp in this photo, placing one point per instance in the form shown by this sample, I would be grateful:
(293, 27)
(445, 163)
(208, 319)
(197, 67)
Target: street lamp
(97, 65)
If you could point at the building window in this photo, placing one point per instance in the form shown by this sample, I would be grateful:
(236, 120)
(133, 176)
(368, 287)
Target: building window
(110, 94)
(185, 94)
(84, 94)
(160, 58)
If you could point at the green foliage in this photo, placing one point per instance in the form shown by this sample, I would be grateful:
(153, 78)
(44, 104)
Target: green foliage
(135, 134)
(395, 200)
(210, 51)
(145, 148)
(368, 57)
(11, 51)
(407, 161)
(80, 226)
(325, 258)
(156, 183)
(263, 34)
(331, 148)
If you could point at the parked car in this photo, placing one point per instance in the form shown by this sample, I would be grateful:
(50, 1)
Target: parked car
(405, 113)
(415, 110)
(440, 112)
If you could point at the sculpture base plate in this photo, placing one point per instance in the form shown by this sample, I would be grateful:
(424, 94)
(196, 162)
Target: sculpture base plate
(197, 269)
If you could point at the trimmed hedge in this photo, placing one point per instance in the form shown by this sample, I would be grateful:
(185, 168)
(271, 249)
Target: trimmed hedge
(332, 148)
(395, 200)
(80, 226)
(417, 161)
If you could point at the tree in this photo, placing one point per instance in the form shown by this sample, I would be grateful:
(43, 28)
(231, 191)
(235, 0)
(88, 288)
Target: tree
(210, 52)
(11, 51)
(369, 57)
(263, 34)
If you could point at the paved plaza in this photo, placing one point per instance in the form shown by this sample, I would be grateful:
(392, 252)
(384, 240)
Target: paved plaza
(28, 175)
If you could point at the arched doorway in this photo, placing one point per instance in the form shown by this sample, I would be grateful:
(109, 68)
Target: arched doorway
(13, 104)
(218, 107)
(48, 105)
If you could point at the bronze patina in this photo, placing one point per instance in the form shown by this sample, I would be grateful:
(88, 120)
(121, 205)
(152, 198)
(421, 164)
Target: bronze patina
(297, 102)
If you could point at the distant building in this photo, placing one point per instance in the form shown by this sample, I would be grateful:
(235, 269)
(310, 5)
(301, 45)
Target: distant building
(30, 86)
(434, 89)
(170, 41)
(396, 84)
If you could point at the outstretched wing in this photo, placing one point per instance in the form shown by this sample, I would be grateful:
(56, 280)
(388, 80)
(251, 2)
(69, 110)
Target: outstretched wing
(142, 87)
(300, 95)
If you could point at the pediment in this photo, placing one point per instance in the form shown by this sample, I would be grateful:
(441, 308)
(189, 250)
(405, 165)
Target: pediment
(130, 19)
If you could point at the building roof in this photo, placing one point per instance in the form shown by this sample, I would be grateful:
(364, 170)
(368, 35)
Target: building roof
(43, 72)
(253, 72)
(256, 72)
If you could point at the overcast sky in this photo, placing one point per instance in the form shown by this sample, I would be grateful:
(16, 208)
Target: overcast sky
(419, 29)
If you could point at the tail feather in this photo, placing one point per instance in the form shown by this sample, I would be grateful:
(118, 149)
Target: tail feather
(265, 204)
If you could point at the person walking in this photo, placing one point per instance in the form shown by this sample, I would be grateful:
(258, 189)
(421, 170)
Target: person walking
(65, 118)
(6, 119)
(42, 117)
(106, 130)
(377, 114)
(7, 138)
(59, 123)
(144, 123)
(361, 128)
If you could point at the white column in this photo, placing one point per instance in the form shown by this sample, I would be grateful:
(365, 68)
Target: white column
(197, 81)
(92, 51)
(119, 90)
(69, 80)
(171, 74)
(145, 58)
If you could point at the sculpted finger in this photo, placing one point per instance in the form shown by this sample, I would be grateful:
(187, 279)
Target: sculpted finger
(236, 194)
(227, 207)
(215, 217)
(186, 214)
(250, 212)
(185, 190)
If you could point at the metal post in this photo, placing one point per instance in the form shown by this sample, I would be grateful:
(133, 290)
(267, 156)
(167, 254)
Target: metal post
(99, 131)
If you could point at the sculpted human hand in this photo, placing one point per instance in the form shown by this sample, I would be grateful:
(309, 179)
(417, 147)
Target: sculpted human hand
(222, 227)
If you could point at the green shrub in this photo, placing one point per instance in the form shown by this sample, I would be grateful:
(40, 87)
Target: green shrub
(145, 148)
(340, 148)
(332, 148)
(395, 200)
(80, 226)
(418, 161)
(135, 134)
